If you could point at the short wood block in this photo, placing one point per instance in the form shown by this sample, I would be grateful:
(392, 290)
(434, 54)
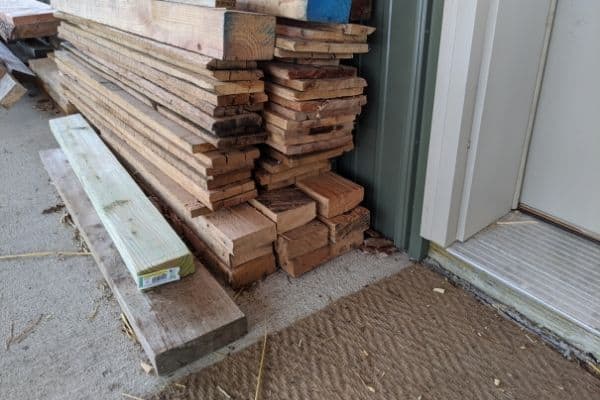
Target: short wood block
(289, 208)
(307, 262)
(334, 194)
(351, 241)
(301, 241)
(357, 219)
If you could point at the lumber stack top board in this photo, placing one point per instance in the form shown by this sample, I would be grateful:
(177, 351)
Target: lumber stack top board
(334, 194)
(337, 11)
(288, 207)
(22, 19)
(176, 324)
(215, 32)
(144, 239)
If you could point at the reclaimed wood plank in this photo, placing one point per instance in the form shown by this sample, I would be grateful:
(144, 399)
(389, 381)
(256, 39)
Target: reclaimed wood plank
(289, 208)
(334, 194)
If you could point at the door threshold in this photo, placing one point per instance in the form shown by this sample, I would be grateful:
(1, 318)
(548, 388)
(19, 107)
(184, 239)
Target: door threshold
(547, 274)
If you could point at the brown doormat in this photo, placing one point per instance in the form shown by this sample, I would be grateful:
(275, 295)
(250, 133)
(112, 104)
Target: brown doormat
(412, 336)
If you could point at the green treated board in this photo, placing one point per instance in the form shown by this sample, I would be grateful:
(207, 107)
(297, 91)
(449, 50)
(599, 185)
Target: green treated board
(142, 236)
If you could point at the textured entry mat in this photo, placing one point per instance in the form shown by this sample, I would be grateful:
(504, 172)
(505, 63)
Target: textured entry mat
(397, 339)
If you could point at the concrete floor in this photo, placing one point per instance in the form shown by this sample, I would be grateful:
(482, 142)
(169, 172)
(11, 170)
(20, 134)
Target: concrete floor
(75, 352)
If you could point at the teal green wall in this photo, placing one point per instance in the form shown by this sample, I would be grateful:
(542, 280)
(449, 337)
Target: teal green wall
(392, 135)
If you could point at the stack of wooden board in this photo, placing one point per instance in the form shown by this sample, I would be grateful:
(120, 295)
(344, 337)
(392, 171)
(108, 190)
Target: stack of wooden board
(316, 221)
(48, 78)
(313, 99)
(181, 119)
(11, 90)
(22, 19)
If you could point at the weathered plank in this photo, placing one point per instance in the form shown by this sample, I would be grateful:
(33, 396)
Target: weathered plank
(297, 95)
(11, 91)
(49, 78)
(297, 149)
(144, 239)
(175, 324)
(300, 241)
(334, 194)
(215, 32)
(21, 19)
(319, 105)
(289, 208)
(337, 11)
(296, 71)
(313, 46)
(341, 226)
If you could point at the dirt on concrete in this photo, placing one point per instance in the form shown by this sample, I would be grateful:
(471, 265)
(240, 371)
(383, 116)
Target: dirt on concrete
(412, 336)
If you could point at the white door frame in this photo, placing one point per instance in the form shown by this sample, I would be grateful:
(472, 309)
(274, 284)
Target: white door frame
(492, 54)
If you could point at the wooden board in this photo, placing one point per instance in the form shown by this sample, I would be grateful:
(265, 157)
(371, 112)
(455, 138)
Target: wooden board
(307, 262)
(321, 84)
(12, 63)
(319, 105)
(351, 241)
(298, 149)
(195, 62)
(337, 11)
(303, 159)
(304, 127)
(265, 178)
(316, 94)
(48, 76)
(21, 19)
(142, 236)
(175, 324)
(317, 34)
(284, 53)
(346, 29)
(11, 91)
(296, 71)
(334, 194)
(313, 46)
(215, 32)
(238, 229)
(289, 208)
(299, 116)
(300, 241)
(341, 226)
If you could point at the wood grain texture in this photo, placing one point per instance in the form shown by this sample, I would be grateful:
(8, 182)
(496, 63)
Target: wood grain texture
(341, 226)
(334, 194)
(11, 91)
(195, 62)
(314, 46)
(22, 19)
(289, 208)
(302, 240)
(143, 237)
(301, 265)
(176, 324)
(345, 29)
(319, 105)
(337, 11)
(215, 32)
(296, 71)
(309, 158)
(49, 78)
(316, 94)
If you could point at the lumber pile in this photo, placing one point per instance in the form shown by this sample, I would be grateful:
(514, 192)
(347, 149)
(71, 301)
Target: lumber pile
(194, 118)
(150, 249)
(22, 19)
(49, 80)
(313, 99)
(316, 221)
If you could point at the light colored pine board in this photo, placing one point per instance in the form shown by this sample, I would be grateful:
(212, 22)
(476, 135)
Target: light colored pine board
(285, 53)
(334, 194)
(319, 105)
(289, 208)
(218, 69)
(296, 71)
(215, 32)
(313, 46)
(132, 106)
(337, 11)
(300, 116)
(321, 84)
(296, 149)
(144, 239)
(300, 241)
(318, 35)
(238, 228)
(175, 325)
(146, 65)
(346, 29)
(22, 19)
(296, 95)
(47, 73)
(341, 226)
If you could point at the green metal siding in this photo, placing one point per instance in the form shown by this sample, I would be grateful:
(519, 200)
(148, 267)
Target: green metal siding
(393, 132)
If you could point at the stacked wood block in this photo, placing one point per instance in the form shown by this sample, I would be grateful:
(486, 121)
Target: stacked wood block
(22, 19)
(316, 221)
(313, 99)
(192, 117)
(48, 78)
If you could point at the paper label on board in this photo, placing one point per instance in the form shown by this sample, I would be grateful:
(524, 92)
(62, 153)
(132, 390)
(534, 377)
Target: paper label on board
(158, 278)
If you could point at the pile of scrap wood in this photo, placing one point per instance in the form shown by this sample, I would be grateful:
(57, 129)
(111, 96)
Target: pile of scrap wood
(22, 19)
(313, 99)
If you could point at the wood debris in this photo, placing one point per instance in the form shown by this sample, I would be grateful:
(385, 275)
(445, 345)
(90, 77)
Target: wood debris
(439, 290)
(223, 392)
(146, 367)
(24, 334)
(260, 368)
